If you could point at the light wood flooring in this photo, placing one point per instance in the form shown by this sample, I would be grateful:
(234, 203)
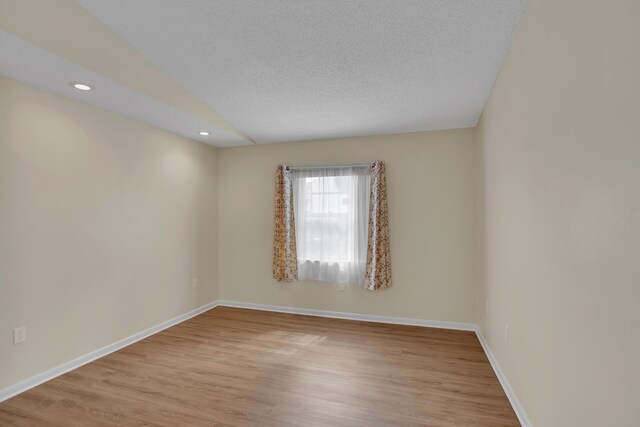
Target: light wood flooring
(236, 367)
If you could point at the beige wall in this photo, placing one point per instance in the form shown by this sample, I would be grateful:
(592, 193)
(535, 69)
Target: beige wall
(561, 168)
(430, 178)
(104, 222)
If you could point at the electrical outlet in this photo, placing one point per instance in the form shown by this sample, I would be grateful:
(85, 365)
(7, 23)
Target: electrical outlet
(342, 287)
(506, 332)
(195, 283)
(486, 307)
(19, 335)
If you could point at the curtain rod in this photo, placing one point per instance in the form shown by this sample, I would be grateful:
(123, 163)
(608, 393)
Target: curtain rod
(353, 165)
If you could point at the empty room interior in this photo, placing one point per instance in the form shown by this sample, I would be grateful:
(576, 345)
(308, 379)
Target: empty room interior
(320, 213)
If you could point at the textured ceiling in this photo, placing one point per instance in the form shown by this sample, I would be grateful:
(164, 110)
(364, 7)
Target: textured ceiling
(266, 70)
(310, 69)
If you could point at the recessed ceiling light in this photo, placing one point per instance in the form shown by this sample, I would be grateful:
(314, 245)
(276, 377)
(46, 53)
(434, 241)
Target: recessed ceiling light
(203, 133)
(80, 86)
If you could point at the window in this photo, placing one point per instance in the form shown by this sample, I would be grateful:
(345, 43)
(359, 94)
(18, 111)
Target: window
(331, 210)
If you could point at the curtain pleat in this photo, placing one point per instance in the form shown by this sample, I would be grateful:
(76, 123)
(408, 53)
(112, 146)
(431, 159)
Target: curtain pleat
(285, 259)
(378, 269)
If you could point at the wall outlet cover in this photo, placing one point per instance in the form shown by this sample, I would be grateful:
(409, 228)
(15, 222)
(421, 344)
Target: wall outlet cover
(19, 335)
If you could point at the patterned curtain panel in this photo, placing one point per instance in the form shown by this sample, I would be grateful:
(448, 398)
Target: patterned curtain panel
(378, 269)
(285, 259)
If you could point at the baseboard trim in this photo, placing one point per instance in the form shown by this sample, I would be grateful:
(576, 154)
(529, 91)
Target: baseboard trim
(511, 395)
(351, 316)
(36, 380)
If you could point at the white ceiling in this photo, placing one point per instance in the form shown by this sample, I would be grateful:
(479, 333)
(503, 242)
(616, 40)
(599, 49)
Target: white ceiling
(266, 70)
(31, 64)
(310, 69)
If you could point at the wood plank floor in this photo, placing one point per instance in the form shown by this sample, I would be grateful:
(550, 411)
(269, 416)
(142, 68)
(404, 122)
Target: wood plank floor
(236, 367)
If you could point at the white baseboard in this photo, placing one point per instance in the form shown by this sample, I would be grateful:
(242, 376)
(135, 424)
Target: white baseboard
(515, 403)
(36, 380)
(351, 316)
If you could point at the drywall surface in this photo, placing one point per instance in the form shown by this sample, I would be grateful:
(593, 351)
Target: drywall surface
(104, 222)
(560, 213)
(431, 195)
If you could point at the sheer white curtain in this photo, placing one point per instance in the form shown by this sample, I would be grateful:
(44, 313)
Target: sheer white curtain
(331, 207)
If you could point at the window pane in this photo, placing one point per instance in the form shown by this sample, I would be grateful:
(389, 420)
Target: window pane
(330, 214)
